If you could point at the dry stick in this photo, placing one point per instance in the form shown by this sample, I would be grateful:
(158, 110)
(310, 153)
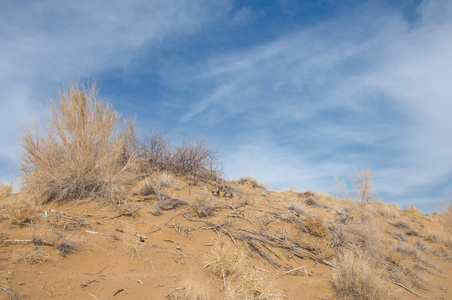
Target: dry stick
(171, 215)
(112, 236)
(68, 216)
(96, 272)
(93, 296)
(303, 267)
(129, 214)
(115, 293)
(176, 289)
(284, 245)
(84, 285)
(40, 242)
(409, 290)
(11, 292)
(216, 227)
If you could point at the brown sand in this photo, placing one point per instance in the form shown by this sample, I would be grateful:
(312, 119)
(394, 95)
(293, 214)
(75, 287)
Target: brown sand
(116, 263)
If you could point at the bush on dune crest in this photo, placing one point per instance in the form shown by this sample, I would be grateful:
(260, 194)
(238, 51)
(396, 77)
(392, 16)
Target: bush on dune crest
(85, 149)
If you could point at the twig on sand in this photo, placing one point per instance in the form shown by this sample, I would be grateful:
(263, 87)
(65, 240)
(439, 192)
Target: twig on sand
(84, 285)
(38, 241)
(92, 274)
(10, 291)
(93, 296)
(112, 236)
(176, 289)
(290, 271)
(409, 290)
(115, 293)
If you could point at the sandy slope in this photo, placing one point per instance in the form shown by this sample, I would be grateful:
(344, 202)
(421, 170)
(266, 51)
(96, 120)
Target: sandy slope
(133, 254)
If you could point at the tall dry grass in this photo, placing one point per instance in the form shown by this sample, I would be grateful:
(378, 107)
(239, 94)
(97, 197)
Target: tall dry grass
(5, 189)
(86, 150)
(357, 278)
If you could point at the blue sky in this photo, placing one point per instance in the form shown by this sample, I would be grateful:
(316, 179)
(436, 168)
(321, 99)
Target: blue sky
(295, 93)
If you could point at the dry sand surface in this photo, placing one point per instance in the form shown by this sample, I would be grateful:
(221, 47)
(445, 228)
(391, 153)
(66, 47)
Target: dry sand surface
(214, 241)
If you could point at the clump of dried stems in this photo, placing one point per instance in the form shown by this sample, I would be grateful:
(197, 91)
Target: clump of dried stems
(191, 157)
(85, 150)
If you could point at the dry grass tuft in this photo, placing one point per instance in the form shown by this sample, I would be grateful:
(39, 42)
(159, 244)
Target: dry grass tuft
(194, 289)
(240, 279)
(165, 179)
(84, 151)
(205, 205)
(357, 278)
(19, 211)
(389, 211)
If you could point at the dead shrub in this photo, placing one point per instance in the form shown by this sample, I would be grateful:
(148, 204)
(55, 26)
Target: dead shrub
(363, 186)
(357, 278)
(20, 211)
(85, 151)
(5, 189)
(251, 181)
(192, 157)
(156, 151)
(316, 226)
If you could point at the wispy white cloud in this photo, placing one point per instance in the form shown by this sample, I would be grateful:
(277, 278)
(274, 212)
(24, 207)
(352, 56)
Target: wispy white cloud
(370, 78)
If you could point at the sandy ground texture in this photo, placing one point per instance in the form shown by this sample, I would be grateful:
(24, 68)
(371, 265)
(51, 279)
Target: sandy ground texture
(209, 240)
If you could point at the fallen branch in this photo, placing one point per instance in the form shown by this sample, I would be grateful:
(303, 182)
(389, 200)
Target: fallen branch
(11, 292)
(176, 289)
(409, 290)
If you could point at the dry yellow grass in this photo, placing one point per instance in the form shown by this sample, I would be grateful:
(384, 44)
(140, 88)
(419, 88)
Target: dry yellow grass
(5, 189)
(240, 279)
(85, 150)
(357, 278)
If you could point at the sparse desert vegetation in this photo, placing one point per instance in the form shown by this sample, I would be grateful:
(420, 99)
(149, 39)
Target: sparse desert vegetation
(183, 232)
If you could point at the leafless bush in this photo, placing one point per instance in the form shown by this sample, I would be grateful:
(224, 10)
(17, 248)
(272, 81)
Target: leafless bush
(86, 150)
(156, 151)
(195, 158)
(363, 185)
(191, 157)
